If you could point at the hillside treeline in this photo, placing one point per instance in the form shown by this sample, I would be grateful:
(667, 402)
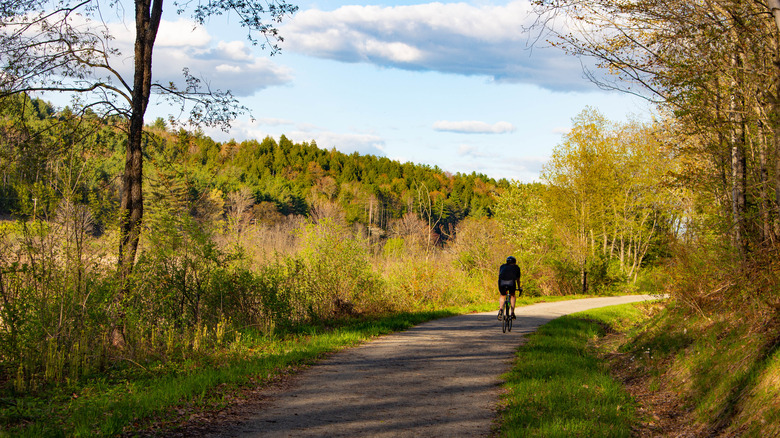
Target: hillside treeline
(45, 150)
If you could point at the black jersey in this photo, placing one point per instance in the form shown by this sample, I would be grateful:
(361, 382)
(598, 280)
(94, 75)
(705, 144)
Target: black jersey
(508, 274)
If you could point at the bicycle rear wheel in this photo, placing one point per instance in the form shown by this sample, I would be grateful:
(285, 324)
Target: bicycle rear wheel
(506, 323)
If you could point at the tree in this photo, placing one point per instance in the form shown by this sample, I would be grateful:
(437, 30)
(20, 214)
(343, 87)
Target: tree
(51, 46)
(710, 65)
(527, 224)
(46, 46)
(604, 193)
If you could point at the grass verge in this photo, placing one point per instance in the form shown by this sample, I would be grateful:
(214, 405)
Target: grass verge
(559, 387)
(123, 400)
(700, 375)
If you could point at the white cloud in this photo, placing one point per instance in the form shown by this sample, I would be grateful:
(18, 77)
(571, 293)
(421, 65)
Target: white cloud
(364, 144)
(224, 68)
(236, 50)
(396, 52)
(225, 65)
(524, 169)
(181, 33)
(457, 38)
(474, 127)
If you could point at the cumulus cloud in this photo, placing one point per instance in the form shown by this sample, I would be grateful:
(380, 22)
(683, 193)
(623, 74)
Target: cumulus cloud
(224, 65)
(473, 127)
(457, 38)
(181, 33)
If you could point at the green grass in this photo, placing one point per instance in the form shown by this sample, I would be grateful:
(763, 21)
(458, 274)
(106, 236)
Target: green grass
(558, 387)
(726, 371)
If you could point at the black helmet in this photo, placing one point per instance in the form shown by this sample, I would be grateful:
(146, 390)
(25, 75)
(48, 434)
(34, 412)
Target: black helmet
(511, 259)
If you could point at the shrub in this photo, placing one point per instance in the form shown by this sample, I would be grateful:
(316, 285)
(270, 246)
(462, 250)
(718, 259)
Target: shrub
(342, 279)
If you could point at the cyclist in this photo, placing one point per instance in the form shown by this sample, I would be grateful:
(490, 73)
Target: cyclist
(508, 283)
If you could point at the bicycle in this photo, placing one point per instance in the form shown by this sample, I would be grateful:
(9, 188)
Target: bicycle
(506, 321)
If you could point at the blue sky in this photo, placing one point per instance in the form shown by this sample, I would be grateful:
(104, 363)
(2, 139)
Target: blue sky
(456, 85)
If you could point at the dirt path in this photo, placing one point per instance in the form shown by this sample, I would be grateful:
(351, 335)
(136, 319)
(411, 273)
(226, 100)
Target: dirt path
(441, 378)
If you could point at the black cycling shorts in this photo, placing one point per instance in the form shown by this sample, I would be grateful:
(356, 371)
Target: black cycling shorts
(503, 290)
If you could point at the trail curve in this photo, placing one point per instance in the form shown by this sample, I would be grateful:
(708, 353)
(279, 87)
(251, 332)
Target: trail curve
(440, 378)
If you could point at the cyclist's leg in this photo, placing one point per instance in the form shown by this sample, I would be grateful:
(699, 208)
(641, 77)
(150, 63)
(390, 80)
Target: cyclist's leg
(512, 301)
(502, 297)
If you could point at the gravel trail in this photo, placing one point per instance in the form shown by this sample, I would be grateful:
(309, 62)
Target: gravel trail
(440, 378)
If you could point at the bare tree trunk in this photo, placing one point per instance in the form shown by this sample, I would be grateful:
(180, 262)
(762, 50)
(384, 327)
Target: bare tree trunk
(738, 163)
(738, 192)
(147, 21)
(777, 152)
(774, 6)
(585, 276)
(767, 234)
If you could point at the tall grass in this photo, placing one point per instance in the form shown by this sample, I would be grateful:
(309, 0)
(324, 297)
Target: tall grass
(107, 405)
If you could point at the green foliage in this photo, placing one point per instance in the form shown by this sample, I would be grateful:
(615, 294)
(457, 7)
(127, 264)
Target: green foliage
(47, 156)
(294, 177)
(603, 211)
(394, 247)
(526, 222)
(343, 281)
(52, 306)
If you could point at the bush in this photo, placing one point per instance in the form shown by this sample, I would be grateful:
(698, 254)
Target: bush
(342, 279)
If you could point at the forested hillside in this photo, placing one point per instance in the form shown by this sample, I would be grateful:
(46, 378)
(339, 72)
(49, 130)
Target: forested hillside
(280, 177)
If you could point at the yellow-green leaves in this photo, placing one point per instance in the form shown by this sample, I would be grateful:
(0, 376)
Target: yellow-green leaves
(599, 210)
